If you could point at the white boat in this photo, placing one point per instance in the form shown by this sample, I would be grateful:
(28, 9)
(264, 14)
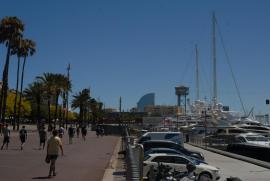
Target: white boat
(252, 138)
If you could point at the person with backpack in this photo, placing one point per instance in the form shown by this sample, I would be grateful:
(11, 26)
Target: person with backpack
(23, 136)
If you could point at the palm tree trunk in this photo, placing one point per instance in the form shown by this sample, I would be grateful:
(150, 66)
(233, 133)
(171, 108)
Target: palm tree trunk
(81, 112)
(20, 98)
(64, 109)
(49, 114)
(16, 95)
(38, 111)
(67, 112)
(1, 97)
(56, 107)
(5, 85)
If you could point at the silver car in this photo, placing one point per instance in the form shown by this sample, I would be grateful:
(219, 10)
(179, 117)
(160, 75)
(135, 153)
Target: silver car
(179, 162)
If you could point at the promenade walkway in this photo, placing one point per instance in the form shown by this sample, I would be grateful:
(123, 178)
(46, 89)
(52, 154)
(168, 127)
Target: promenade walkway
(82, 161)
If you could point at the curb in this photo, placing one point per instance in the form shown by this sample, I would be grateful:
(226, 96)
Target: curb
(238, 157)
(108, 175)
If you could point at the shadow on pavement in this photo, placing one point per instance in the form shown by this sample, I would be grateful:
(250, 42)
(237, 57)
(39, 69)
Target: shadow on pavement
(40, 178)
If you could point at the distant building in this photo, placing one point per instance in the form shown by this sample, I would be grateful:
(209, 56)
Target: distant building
(146, 100)
(162, 110)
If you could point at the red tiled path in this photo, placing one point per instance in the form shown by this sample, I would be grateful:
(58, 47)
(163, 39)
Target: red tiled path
(83, 161)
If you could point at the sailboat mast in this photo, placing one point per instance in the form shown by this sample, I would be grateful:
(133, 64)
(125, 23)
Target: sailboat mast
(197, 73)
(214, 62)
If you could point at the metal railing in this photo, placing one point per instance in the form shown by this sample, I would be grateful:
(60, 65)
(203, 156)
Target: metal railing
(132, 165)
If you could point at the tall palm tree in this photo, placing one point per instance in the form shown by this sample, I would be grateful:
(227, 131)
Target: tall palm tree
(81, 100)
(28, 49)
(17, 49)
(56, 84)
(48, 83)
(34, 94)
(60, 81)
(66, 87)
(11, 28)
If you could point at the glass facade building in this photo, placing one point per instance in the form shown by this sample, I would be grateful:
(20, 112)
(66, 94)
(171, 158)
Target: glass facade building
(146, 100)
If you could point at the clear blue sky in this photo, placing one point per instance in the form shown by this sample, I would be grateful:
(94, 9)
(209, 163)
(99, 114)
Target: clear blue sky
(130, 48)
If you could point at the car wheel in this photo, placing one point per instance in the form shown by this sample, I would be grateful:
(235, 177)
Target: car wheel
(204, 177)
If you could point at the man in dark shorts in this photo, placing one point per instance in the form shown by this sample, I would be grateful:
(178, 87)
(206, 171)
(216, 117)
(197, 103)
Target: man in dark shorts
(54, 143)
(42, 137)
(6, 133)
(23, 136)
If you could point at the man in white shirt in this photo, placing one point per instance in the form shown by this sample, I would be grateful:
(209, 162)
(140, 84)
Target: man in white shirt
(54, 143)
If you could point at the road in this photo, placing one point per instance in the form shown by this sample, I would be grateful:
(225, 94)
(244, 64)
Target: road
(233, 167)
(82, 161)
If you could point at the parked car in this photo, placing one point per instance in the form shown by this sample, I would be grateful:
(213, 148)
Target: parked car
(169, 144)
(178, 163)
(169, 151)
(176, 137)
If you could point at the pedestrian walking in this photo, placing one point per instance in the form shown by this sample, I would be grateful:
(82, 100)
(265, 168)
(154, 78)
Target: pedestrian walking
(78, 131)
(102, 131)
(61, 132)
(23, 136)
(71, 133)
(42, 137)
(6, 133)
(54, 143)
(84, 133)
(97, 131)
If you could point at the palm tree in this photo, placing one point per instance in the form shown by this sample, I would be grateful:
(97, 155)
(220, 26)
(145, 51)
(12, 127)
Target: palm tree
(28, 48)
(16, 50)
(81, 100)
(34, 94)
(94, 109)
(60, 82)
(56, 84)
(11, 28)
(48, 83)
(65, 89)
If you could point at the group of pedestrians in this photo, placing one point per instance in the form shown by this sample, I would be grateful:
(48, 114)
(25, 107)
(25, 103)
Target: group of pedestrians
(79, 129)
(54, 143)
(5, 131)
(100, 130)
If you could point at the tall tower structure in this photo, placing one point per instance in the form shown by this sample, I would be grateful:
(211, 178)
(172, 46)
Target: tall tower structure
(182, 91)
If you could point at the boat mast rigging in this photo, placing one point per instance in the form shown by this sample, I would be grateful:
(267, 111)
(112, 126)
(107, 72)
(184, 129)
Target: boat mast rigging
(197, 73)
(214, 61)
